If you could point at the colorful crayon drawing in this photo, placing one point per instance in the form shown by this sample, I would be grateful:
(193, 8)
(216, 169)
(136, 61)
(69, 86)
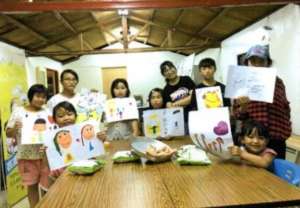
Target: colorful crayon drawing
(73, 143)
(163, 122)
(210, 130)
(209, 97)
(35, 126)
(119, 109)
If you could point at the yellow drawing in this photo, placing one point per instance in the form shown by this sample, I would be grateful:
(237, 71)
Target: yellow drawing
(153, 126)
(212, 99)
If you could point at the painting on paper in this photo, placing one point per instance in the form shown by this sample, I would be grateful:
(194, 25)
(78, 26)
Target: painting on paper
(73, 143)
(163, 122)
(210, 130)
(209, 97)
(119, 109)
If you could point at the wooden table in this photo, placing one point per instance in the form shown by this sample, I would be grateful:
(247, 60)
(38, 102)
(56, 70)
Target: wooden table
(169, 185)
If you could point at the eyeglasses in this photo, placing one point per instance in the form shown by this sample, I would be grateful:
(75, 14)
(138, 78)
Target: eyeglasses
(70, 80)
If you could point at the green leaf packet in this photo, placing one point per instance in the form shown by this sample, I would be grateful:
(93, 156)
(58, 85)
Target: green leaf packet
(125, 156)
(191, 155)
(86, 167)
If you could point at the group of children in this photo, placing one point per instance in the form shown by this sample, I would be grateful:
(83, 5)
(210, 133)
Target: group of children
(257, 118)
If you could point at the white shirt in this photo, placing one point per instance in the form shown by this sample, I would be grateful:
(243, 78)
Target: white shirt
(58, 98)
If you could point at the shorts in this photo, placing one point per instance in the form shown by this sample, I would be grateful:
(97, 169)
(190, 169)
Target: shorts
(34, 172)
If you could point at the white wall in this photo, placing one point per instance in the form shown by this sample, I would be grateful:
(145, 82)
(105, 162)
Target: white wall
(143, 72)
(284, 49)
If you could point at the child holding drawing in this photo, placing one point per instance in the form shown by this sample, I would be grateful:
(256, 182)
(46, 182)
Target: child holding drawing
(254, 137)
(30, 157)
(121, 129)
(64, 114)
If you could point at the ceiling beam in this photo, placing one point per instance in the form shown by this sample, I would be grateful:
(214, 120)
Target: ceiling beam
(133, 37)
(125, 31)
(104, 29)
(110, 51)
(68, 25)
(149, 30)
(177, 21)
(127, 4)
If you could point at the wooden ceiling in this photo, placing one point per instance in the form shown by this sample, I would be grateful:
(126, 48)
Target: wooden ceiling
(86, 27)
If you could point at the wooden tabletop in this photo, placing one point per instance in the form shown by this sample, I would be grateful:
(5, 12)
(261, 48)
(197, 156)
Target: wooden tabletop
(169, 185)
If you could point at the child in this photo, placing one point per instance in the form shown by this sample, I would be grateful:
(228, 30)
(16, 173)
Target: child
(276, 115)
(121, 129)
(64, 114)
(32, 167)
(156, 99)
(254, 137)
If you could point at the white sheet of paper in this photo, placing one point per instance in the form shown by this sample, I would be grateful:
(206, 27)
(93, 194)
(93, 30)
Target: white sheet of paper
(209, 97)
(210, 130)
(119, 109)
(73, 143)
(34, 128)
(163, 122)
(256, 83)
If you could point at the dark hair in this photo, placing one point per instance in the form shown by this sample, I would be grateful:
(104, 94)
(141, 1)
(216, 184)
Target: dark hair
(70, 71)
(250, 125)
(165, 65)
(161, 92)
(207, 62)
(269, 61)
(55, 140)
(65, 105)
(37, 88)
(114, 85)
(40, 121)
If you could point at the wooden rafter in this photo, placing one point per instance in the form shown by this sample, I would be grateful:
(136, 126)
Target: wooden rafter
(30, 30)
(125, 31)
(104, 29)
(127, 4)
(100, 29)
(133, 37)
(149, 30)
(68, 25)
(177, 21)
(211, 22)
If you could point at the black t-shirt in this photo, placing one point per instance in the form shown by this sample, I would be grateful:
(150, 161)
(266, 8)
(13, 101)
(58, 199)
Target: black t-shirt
(226, 101)
(176, 92)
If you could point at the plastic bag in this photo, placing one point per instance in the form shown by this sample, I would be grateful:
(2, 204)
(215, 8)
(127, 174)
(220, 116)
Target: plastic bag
(191, 155)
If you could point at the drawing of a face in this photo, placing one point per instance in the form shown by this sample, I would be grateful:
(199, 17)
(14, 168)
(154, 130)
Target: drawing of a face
(39, 125)
(64, 139)
(88, 132)
(212, 100)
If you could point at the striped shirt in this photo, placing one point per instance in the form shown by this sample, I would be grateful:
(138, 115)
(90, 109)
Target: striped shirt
(275, 116)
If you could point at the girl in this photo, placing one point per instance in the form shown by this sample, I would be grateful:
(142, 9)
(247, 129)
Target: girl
(121, 129)
(32, 167)
(69, 80)
(64, 114)
(254, 137)
(156, 99)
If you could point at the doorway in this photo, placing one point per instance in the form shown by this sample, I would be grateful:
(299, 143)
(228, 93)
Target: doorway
(109, 74)
(52, 82)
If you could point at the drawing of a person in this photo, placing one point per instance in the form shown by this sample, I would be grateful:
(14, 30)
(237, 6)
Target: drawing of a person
(39, 126)
(62, 142)
(88, 133)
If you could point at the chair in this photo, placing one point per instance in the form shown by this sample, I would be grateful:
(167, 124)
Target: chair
(287, 170)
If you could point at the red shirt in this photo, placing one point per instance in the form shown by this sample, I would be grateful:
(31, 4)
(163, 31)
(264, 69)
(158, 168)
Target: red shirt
(275, 116)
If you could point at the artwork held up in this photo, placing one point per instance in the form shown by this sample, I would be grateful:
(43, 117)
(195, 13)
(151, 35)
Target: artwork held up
(209, 97)
(210, 130)
(163, 122)
(73, 143)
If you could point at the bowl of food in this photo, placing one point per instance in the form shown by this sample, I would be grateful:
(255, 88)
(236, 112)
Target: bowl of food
(151, 149)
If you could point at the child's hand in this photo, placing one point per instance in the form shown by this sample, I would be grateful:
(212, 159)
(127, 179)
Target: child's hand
(235, 150)
(18, 125)
(102, 136)
(242, 102)
(43, 149)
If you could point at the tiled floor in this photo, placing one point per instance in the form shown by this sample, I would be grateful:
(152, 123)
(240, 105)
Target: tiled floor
(22, 204)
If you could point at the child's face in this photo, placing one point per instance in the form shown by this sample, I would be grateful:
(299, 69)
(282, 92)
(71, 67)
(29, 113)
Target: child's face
(254, 143)
(64, 118)
(257, 62)
(120, 90)
(170, 73)
(207, 72)
(88, 132)
(156, 100)
(69, 82)
(38, 100)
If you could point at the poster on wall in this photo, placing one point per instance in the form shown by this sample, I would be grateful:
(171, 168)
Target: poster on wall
(210, 130)
(73, 143)
(91, 105)
(209, 97)
(119, 109)
(13, 85)
(256, 83)
(163, 122)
